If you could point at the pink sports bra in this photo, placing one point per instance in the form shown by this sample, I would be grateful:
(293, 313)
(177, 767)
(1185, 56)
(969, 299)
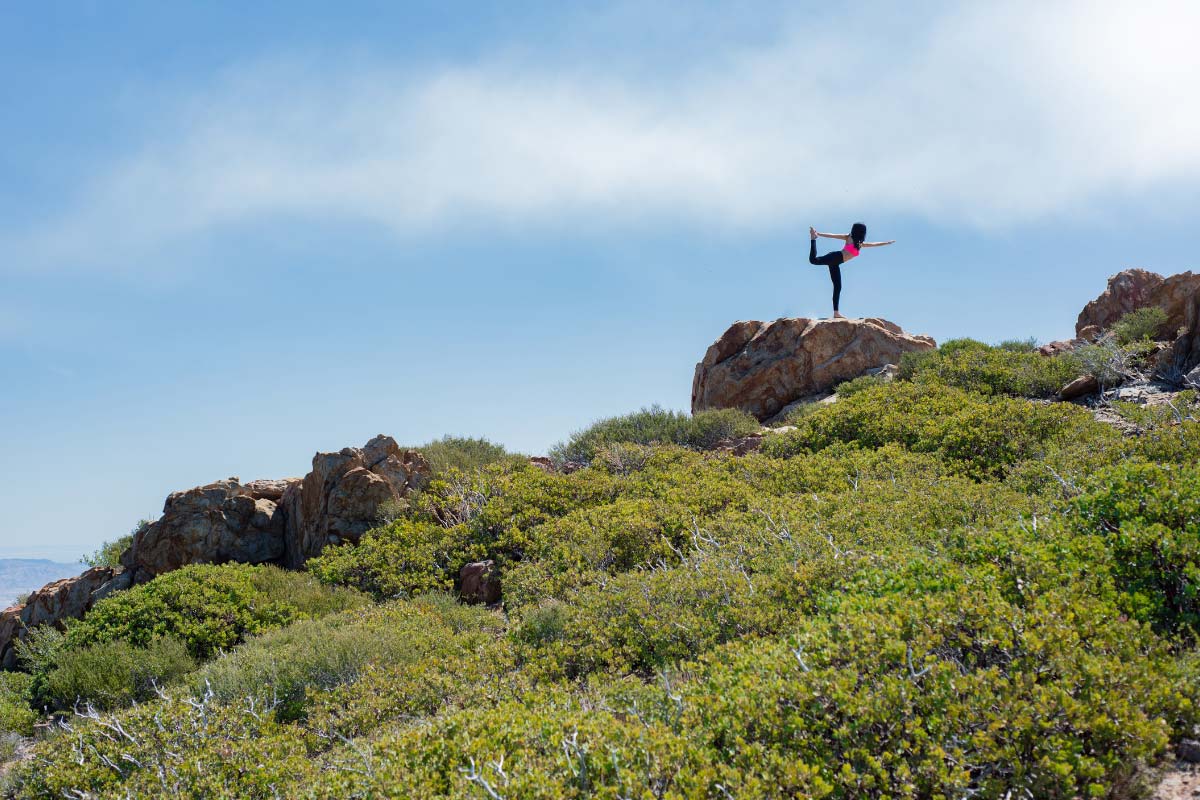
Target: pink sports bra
(850, 249)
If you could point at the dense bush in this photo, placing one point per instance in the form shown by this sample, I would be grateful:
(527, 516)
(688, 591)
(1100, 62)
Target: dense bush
(655, 425)
(16, 696)
(985, 435)
(463, 453)
(208, 607)
(1149, 517)
(283, 667)
(1011, 369)
(112, 674)
(856, 385)
(1140, 325)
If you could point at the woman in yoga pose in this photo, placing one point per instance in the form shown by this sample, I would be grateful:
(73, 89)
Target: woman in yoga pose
(835, 259)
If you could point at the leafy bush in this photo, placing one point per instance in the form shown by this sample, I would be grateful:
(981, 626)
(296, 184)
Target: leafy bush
(1029, 345)
(1139, 325)
(1149, 517)
(403, 559)
(180, 747)
(208, 607)
(463, 453)
(856, 385)
(1012, 368)
(287, 665)
(16, 697)
(985, 435)
(109, 553)
(655, 425)
(113, 674)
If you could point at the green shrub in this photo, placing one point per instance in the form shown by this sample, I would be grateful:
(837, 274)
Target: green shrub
(463, 453)
(109, 553)
(403, 559)
(896, 697)
(285, 665)
(1015, 369)
(655, 425)
(1140, 325)
(987, 436)
(1029, 345)
(180, 747)
(856, 385)
(208, 607)
(1149, 517)
(16, 697)
(113, 674)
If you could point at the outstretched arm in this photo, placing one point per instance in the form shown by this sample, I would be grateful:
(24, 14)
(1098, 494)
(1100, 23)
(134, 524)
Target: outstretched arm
(842, 236)
(876, 244)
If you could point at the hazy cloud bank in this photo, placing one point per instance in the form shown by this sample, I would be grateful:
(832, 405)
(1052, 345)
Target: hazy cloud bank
(986, 114)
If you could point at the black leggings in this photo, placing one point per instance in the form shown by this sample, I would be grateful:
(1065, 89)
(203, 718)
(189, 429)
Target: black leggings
(832, 260)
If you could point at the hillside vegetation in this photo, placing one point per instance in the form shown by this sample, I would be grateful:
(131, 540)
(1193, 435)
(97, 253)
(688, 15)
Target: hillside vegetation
(938, 587)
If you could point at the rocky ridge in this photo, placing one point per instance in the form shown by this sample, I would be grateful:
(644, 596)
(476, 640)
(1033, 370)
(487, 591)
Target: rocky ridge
(264, 521)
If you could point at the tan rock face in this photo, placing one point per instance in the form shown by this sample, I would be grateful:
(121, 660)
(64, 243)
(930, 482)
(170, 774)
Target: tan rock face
(1127, 291)
(1178, 295)
(69, 598)
(761, 367)
(339, 500)
(212, 524)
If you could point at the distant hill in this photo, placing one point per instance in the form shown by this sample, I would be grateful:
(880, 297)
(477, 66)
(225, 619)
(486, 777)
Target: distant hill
(21, 575)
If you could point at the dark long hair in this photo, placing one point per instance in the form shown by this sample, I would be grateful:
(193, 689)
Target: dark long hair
(858, 233)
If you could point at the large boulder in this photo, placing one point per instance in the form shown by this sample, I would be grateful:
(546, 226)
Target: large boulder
(1126, 291)
(69, 598)
(213, 524)
(339, 500)
(761, 367)
(1177, 295)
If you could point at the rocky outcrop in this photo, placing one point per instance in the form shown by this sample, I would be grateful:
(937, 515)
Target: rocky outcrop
(212, 524)
(284, 521)
(338, 501)
(1177, 295)
(54, 603)
(1126, 291)
(762, 367)
(479, 582)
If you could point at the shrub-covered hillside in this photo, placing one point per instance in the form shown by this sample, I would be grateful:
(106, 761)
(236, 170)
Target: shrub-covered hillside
(937, 587)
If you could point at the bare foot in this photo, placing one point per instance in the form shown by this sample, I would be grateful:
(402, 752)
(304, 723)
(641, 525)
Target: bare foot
(838, 315)
(812, 232)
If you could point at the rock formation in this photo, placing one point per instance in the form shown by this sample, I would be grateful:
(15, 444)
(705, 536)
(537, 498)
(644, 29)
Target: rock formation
(479, 582)
(1126, 291)
(1177, 295)
(281, 521)
(278, 521)
(339, 500)
(63, 599)
(211, 524)
(761, 367)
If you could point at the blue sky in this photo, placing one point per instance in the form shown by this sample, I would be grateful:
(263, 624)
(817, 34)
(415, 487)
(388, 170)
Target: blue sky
(231, 236)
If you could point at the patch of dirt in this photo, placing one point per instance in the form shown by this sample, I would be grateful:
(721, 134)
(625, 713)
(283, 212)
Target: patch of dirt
(1180, 782)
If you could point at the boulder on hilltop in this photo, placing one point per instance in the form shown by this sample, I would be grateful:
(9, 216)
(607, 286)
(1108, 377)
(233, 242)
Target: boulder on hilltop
(1177, 295)
(279, 521)
(339, 500)
(762, 367)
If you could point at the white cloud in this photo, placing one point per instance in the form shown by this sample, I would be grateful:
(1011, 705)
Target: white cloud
(985, 114)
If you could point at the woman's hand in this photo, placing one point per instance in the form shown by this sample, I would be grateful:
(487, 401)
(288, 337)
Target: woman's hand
(812, 232)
